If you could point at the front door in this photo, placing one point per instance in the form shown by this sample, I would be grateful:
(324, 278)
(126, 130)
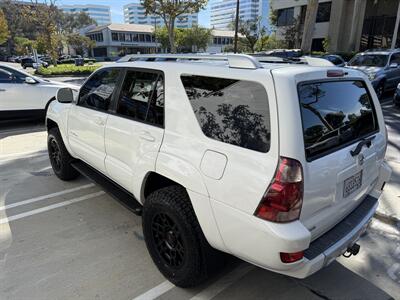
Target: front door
(135, 129)
(87, 119)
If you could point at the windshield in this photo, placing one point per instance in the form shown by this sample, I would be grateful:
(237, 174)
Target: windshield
(370, 60)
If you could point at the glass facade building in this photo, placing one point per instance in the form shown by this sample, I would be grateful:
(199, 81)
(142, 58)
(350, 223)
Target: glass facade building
(134, 13)
(100, 13)
(223, 12)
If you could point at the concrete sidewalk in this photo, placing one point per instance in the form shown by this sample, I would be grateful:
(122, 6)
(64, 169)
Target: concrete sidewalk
(389, 205)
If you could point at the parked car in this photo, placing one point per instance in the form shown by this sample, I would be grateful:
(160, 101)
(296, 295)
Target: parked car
(29, 62)
(283, 53)
(23, 96)
(337, 60)
(396, 98)
(382, 68)
(204, 152)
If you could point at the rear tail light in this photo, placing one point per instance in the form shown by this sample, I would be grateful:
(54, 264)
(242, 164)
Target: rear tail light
(288, 258)
(283, 200)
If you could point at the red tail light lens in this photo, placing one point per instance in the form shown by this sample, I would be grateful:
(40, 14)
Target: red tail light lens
(284, 198)
(288, 258)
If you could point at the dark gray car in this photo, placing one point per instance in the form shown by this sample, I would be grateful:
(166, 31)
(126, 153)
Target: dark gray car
(382, 68)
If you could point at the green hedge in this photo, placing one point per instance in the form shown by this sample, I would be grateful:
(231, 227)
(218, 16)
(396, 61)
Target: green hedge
(65, 70)
(72, 61)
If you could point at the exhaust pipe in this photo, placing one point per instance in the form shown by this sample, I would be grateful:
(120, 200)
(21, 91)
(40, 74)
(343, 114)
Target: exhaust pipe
(352, 250)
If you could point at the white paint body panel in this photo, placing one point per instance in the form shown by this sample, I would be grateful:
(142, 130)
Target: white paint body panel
(225, 183)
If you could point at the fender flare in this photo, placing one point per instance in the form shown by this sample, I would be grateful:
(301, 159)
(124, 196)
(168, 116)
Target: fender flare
(182, 172)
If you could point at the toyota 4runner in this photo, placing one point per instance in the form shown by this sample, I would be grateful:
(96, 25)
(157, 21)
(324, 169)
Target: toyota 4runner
(280, 165)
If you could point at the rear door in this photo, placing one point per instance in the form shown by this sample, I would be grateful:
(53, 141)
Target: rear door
(343, 149)
(135, 128)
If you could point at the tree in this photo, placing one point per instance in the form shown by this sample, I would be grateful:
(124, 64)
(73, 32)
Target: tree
(309, 24)
(69, 23)
(23, 45)
(4, 33)
(170, 11)
(80, 43)
(195, 38)
(252, 31)
(44, 16)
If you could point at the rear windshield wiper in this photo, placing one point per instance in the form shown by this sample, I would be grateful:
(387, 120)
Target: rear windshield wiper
(361, 144)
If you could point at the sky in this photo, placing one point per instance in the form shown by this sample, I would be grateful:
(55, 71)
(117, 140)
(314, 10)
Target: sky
(117, 14)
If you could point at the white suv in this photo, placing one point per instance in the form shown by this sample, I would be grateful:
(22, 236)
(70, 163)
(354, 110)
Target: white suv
(280, 165)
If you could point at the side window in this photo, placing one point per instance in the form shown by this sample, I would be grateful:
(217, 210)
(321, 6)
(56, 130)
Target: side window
(98, 91)
(395, 59)
(142, 97)
(231, 111)
(5, 77)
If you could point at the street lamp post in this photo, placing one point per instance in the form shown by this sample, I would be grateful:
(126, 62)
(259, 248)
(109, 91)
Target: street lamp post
(235, 48)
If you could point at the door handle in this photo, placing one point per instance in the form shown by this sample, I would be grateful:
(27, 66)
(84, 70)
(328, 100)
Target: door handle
(100, 121)
(145, 135)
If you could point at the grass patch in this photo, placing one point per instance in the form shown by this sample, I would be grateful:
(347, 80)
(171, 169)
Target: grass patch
(64, 70)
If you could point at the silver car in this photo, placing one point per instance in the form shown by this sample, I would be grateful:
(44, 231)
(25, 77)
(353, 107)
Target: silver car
(382, 68)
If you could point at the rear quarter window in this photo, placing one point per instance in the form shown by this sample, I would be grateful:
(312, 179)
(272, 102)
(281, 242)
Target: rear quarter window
(335, 114)
(231, 111)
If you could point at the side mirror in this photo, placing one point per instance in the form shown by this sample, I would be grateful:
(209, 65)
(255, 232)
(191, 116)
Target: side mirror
(30, 80)
(394, 65)
(65, 95)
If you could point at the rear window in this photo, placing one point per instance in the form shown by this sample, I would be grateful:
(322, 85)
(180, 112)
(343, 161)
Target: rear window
(335, 114)
(231, 111)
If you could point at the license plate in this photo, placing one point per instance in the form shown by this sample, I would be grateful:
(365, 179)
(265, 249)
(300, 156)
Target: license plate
(352, 184)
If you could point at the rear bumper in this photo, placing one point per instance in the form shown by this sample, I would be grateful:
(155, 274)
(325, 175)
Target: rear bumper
(335, 242)
(260, 242)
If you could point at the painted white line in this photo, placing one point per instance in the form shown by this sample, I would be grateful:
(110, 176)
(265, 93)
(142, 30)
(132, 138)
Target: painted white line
(40, 198)
(156, 291)
(45, 169)
(50, 207)
(8, 157)
(224, 282)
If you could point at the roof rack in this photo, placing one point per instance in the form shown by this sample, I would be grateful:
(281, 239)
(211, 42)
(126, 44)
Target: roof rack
(308, 60)
(239, 61)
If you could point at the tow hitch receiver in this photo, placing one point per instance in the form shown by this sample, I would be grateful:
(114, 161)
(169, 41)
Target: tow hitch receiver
(352, 250)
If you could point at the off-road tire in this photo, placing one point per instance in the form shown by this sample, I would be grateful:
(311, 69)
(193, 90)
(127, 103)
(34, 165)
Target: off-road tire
(61, 161)
(200, 260)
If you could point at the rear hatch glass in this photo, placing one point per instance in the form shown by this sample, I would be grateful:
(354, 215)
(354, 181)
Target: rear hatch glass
(335, 114)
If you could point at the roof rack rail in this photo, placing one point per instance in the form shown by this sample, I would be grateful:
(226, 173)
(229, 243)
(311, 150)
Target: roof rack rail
(239, 61)
(308, 60)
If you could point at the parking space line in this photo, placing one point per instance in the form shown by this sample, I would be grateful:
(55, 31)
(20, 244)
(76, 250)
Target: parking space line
(50, 207)
(40, 198)
(224, 282)
(156, 291)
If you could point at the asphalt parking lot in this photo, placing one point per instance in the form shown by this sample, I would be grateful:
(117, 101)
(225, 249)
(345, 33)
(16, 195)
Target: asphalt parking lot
(62, 240)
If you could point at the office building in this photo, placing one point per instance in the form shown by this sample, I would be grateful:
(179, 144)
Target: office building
(100, 13)
(348, 25)
(223, 12)
(135, 13)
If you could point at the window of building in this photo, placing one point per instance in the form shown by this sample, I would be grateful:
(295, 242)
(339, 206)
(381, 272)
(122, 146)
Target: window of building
(285, 16)
(231, 111)
(142, 97)
(114, 36)
(98, 90)
(324, 12)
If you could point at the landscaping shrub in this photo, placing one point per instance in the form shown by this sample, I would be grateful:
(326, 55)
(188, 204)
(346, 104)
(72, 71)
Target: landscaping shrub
(65, 70)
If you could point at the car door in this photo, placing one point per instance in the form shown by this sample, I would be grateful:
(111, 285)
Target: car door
(135, 129)
(21, 96)
(394, 73)
(87, 119)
